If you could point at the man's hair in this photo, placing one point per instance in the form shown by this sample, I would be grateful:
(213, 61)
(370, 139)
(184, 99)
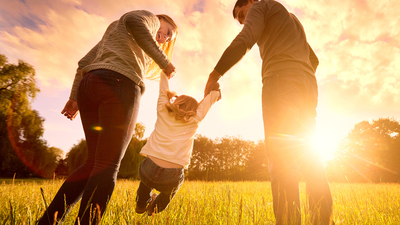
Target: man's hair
(183, 107)
(240, 3)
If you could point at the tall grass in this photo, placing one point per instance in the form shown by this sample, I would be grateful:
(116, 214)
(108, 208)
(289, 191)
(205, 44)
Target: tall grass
(21, 202)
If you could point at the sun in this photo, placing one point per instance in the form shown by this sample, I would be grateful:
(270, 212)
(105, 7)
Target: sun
(326, 144)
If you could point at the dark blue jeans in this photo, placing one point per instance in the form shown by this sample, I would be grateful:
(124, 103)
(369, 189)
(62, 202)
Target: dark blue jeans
(165, 180)
(108, 104)
(289, 111)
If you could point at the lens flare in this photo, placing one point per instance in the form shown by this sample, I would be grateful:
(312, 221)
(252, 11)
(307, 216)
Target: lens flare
(12, 134)
(97, 128)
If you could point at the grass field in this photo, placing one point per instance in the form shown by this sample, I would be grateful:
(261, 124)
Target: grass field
(21, 202)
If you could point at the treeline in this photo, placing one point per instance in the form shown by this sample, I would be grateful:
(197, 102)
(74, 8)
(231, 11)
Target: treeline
(228, 158)
(370, 153)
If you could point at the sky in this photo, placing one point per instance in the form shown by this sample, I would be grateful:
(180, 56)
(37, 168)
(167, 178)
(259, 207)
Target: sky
(357, 43)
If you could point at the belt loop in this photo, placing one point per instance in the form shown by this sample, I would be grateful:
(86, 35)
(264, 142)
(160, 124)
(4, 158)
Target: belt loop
(159, 171)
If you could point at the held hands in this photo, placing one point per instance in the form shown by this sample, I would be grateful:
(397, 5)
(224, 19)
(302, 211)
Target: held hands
(216, 88)
(70, 109)
(212, 83)
(169, 70)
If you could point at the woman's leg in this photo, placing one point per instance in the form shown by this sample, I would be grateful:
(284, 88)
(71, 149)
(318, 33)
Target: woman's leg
(117, 100)
(68, 194)
(72, 189)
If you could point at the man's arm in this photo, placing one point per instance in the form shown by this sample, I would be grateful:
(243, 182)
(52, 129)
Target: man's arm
(313, 58)
(212, 82)
(254, 25)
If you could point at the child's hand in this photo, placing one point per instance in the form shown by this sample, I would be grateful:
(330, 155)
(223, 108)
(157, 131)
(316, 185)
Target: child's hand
(169, 70)
(216, 88)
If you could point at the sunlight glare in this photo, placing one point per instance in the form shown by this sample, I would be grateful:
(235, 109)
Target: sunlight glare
(325, 144)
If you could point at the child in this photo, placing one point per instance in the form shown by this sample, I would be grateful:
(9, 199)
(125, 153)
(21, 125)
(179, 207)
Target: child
(169, 147)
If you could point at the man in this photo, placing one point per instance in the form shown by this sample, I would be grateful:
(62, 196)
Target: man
(289, 100)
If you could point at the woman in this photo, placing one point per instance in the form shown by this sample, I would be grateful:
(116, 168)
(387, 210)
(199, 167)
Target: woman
(107, 89)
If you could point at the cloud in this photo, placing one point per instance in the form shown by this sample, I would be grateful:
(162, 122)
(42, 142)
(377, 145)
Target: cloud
(53, 40)
(358, 46)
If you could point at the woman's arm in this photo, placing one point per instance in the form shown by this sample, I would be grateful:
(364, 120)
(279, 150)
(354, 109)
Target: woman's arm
(143, 26)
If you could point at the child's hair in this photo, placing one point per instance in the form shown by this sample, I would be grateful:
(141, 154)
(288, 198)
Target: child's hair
(183, 107)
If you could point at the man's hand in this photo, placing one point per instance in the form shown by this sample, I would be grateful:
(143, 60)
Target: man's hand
(169, 70)
(212, 82)
(70, 109)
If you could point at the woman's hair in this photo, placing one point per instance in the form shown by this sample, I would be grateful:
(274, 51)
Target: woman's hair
(183, 107)
(153, 72)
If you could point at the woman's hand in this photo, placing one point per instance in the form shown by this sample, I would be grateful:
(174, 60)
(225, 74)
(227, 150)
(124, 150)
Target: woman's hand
(70, 109)
(169, 70)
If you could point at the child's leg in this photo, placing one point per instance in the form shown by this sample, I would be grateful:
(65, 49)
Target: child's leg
(166, 180)
(163, 200)
(143, 195)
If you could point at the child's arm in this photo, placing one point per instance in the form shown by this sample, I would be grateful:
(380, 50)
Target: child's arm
(208, 101)
(164, 86)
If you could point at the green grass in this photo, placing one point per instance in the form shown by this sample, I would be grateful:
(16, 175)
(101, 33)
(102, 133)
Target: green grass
(21, 202)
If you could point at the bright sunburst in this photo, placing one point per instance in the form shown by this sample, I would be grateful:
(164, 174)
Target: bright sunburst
(326, 144)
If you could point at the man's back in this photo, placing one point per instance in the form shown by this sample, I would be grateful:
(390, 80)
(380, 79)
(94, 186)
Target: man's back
(280, 37)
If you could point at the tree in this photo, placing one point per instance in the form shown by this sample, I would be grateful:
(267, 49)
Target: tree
(203, 159)
(76, 156)
(130, 163)
(232, 154)
(371, 152)
(61, 170)
(257, 163)
(228, 158)
(22, 150)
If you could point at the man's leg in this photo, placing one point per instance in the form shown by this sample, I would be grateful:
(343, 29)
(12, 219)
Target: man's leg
(281, 103)
(319, 193)
(311, 166)
(284, 181)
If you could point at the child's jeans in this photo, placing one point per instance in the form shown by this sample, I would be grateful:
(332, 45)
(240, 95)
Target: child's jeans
(165, 180)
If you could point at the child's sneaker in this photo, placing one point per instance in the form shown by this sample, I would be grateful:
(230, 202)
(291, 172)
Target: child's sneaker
(140, 210)
(150, 209)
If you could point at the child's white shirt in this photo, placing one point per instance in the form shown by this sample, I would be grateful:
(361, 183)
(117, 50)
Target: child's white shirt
(172, 140)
